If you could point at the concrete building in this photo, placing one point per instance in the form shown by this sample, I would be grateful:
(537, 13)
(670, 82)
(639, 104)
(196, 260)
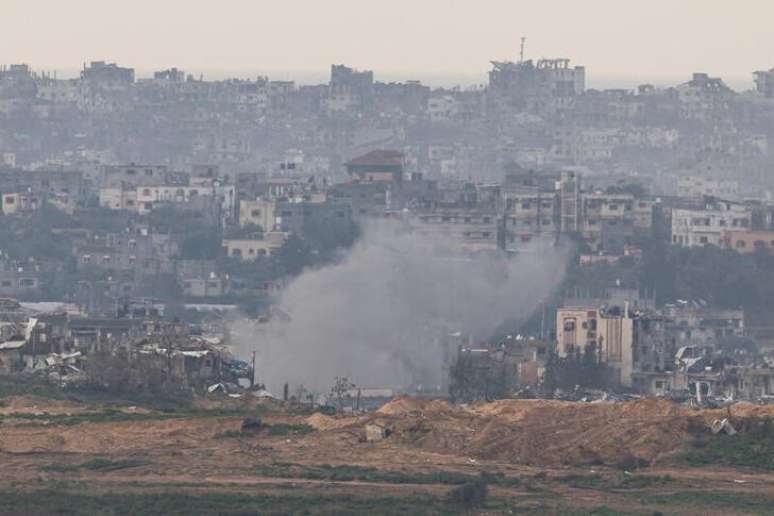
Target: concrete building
(108, 75)
(133, 175)
(706, 225)
(118, 199)
(249, 249)
(258, 212)
(748, 242)
(764, 83)
(377, 166)
(609, 330)
(698, 187)
(19, 203)
(349, 90)
(472, 229)
(529, 215)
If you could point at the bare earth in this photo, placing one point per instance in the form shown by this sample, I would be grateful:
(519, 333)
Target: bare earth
(553, 457)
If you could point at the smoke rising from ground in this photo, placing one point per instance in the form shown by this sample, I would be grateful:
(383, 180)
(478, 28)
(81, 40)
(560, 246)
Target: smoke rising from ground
(380, 314)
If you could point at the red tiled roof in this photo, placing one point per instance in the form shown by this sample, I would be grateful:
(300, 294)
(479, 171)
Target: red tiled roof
(379, 158)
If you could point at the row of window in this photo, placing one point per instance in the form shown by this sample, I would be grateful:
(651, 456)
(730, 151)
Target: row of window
(455, 219)
(22, 283)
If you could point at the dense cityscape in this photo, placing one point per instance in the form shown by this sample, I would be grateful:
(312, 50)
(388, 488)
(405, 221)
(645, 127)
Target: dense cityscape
(317, 276)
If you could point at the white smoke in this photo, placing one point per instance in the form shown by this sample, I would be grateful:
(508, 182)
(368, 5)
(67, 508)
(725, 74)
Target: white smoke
(376, 317)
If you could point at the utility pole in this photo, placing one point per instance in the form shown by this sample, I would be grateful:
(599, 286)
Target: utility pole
(252, 372)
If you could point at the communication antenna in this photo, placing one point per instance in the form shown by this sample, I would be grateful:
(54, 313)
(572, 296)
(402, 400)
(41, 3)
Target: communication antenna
(521, 54)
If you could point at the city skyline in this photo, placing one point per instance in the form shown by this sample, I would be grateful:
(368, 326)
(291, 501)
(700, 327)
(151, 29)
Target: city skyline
(301, 39)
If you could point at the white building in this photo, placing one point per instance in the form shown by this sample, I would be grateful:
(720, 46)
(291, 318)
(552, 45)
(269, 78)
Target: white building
(700, 227)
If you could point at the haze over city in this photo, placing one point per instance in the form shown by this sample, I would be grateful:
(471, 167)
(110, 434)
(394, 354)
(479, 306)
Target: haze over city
(353, 257)
(439, 41)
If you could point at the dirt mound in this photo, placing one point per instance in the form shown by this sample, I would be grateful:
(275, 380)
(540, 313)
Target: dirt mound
(545, 432)
(322, 422)
(401, 405)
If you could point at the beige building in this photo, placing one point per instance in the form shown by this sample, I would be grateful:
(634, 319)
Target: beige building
(528, 215)
(259, 212)
(118, 198)
(610, 330)
(15, 203)
(747, 242)
(473, 230)
(248, 249)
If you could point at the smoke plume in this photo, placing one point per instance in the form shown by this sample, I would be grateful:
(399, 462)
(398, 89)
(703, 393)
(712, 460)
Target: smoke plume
(380, 315)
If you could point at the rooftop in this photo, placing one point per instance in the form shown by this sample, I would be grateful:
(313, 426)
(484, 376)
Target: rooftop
(389, 158)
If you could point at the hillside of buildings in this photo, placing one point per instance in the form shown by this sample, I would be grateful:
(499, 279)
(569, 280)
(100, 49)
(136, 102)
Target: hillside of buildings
(524, 296)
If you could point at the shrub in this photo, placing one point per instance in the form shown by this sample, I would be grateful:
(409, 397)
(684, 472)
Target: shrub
(469, 495)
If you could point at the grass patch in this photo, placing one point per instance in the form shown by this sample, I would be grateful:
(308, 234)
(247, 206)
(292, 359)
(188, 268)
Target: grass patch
(715, 500)
(24, 385)
(106, 416)
(67, 502)
(348, 473)
(646, 481)
(592, 481)
(751, 450)
(96, 464)
(114, 415)
(602, 483)
(278, 429)
(290, 429)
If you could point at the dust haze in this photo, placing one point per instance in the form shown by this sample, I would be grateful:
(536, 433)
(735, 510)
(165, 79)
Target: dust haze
(379, 316)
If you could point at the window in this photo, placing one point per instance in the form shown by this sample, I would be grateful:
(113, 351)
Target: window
(703, 240)
(7, 283)
(148, 171)
(26, 282)
(10, 200)
(486, 234)
(487, 220)
(146, 191)
(525, 205)
(255, 213)
(659, 384)
(740, 244)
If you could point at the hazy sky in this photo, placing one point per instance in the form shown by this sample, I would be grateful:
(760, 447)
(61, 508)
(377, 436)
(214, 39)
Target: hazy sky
(395, 38)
